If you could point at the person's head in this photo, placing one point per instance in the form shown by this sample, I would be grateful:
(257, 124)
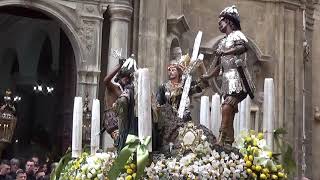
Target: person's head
(176, 53)
(40, 175)
(126, 73)
(36, 168)
(174, 71)
(44, 168)
(21, 175)
(229, 20)
(35, 159)
(14, 164)
(30, 166)
(4, 168)
(125, 80)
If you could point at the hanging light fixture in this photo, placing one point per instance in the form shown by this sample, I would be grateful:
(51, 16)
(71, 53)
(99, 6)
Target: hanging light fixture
(44, 89)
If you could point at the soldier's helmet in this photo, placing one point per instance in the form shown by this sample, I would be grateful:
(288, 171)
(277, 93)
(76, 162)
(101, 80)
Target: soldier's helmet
(232, 14)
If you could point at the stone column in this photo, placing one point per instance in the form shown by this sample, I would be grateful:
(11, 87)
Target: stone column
(119, 31)
(152, 39)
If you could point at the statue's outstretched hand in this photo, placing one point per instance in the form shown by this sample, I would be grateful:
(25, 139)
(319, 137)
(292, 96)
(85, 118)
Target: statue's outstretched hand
(130, 62)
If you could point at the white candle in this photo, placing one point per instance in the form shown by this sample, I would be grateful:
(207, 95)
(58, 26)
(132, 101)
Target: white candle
(77, 127)
(144, 105)
(95, 126)
(268, 111)
(236, 122)
(205, 112)
(215, 114)
(244, 111)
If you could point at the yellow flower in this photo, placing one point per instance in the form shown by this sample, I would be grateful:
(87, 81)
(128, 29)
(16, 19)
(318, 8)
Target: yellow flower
(280, 174)
(265, 170)
(263, 176)
(133, 166)
(274, 169)
(248, 139)
(250, 158)
(269, 154)
(248, 163)
(129, 177)
(258, 168)
(279, 167)
(253, 167)
(274, 177)
(129, 171)
(245, 158)
(254, 175)
(260, 136)
(134, 175)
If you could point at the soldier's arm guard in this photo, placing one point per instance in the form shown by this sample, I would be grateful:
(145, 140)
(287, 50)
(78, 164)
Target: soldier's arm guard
(240, 47)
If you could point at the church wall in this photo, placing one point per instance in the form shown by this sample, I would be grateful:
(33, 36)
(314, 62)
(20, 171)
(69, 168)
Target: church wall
(260, 17)
(315, 91)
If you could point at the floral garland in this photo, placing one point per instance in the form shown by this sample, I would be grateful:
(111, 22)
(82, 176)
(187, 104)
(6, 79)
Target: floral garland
(253, 161)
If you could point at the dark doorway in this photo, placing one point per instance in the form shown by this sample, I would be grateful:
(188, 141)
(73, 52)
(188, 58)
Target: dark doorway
(34, 52)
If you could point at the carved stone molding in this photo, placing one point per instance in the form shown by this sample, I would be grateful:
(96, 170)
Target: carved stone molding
(177, 25)
(87, 33)
(120, 12)
(91, 11)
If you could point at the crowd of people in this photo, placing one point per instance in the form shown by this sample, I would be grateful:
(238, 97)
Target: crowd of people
(32, 169)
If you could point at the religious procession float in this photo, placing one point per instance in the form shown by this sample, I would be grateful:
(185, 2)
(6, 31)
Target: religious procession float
(155, 137)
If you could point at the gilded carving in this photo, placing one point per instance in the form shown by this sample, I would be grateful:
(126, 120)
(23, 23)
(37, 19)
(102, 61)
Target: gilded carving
(190, 137)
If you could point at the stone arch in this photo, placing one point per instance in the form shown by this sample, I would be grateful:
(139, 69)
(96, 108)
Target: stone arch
(63, 19)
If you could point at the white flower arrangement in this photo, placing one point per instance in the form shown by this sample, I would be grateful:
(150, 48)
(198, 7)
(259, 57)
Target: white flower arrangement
(94, 167)
(199, 165)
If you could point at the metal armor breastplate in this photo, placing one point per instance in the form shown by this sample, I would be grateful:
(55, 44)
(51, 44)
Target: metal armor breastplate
(231, 80)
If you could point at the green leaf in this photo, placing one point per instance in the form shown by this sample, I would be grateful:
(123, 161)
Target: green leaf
(278, 132)
(126, 152)
(288, 160)
(62, 164)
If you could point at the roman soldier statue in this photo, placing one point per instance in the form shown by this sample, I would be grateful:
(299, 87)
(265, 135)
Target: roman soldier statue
(236, 80)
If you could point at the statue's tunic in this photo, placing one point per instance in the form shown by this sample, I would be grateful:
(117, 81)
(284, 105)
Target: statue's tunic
(169, 93)
(232, 84)
(127, 121)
